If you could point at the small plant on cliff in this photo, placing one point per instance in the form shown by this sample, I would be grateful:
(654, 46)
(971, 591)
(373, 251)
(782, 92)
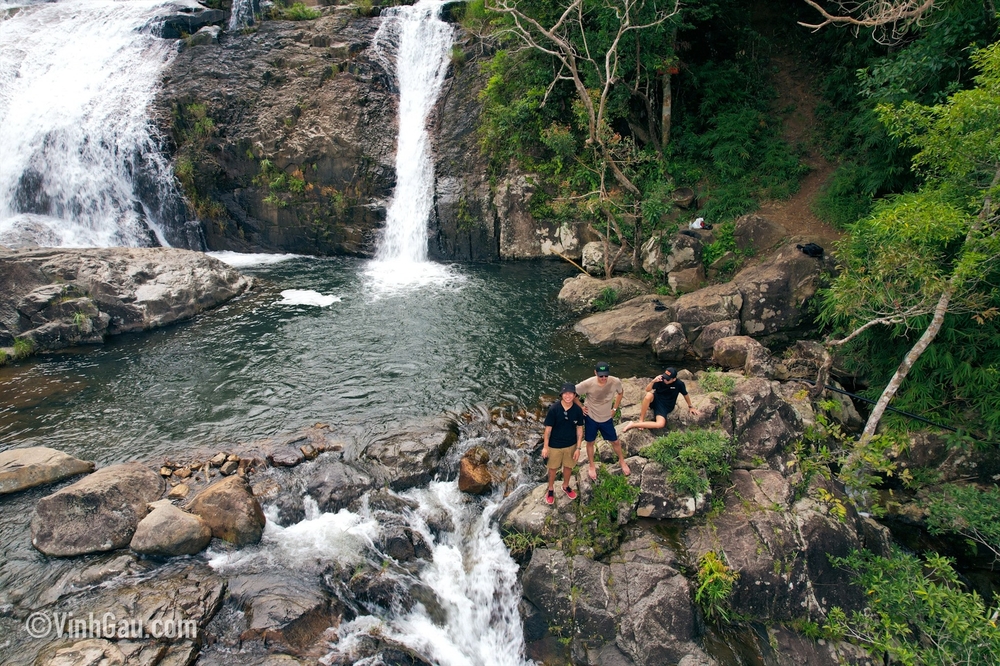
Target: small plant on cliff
(692, 458)
(3, 357)
(605, 300)
(79, 320)
(601, 517)
(23, 347)
(521, 543)
(715, 586)
(725, 241)
(295, 12)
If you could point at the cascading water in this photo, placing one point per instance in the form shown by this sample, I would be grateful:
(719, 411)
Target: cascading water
(79, 164)
(242, 14)
(420, 42)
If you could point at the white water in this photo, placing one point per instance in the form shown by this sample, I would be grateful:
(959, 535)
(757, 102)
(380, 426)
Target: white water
(418, 42)
(471, 574)
(307, 297)
(244, 259)
(76, 81)
(242, 14)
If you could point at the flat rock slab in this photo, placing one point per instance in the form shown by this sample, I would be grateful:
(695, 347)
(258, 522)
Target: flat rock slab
(37, 465)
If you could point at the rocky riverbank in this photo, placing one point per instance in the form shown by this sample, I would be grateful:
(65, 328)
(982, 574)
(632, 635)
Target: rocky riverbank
(54, 297)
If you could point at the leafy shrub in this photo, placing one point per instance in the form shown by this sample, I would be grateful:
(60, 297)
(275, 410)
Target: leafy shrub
(725, 241)
(713, 380)
(522, 543)
(606, 300)
(918, 612)
(3, 357)
(601, 517)
(715, 586)
(295, 12)
(687, 455)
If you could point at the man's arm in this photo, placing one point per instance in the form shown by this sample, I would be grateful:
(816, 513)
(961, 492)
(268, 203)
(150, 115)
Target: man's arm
(545, 441)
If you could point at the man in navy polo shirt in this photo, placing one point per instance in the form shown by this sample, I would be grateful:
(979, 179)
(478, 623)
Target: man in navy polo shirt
(561, 442)
(661, 394)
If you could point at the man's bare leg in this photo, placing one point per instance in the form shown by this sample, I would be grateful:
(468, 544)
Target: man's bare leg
(591, 469)
(617, 446)
(647, 400)
(660, 422)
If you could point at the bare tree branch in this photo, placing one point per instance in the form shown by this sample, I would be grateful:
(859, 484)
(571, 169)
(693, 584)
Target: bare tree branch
(892, 17)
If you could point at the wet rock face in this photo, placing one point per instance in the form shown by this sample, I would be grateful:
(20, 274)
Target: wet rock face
(410, 458)
(300, 156)
(96, 514)
(167, 531)
(230, 510)
(62, 297)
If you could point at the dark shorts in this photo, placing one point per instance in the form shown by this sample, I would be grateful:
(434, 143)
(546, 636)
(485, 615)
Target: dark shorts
(660, 409)
(592, 427)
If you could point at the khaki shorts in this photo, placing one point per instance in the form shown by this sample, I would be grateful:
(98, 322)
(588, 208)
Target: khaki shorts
(561, 457)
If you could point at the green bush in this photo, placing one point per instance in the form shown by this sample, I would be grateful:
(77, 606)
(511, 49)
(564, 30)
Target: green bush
(713, 380)
(295, 12)
(606, 300)
(600, 518)
(689, 456)
(725, 241)
(918, 612)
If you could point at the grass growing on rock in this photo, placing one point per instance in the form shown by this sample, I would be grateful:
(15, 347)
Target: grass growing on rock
(713, 380)
(23, 348)
(605, 300)
(692, 458)
(715, 586)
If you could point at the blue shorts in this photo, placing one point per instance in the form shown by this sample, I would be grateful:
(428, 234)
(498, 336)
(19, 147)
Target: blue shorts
(592, 427)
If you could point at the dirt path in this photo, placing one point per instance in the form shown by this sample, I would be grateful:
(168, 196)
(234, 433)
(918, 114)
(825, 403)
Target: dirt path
(796, 104)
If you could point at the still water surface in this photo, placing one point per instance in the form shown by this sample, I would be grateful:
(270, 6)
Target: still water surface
(258, 366)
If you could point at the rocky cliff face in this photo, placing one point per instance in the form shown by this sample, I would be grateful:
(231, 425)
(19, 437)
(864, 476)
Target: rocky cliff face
(283, 135)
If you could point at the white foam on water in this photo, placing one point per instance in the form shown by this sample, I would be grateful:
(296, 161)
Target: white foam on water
(342, 537)
(242, 260)
(475, 581)
(307, 297)
(389, 277)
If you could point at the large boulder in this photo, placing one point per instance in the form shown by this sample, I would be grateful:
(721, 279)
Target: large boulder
(764, 424)
(671, 344)
(694, 311)
(704, 345)
(335, 483)
(592, 259)
(578, 293)
(474, 473)
(776, 291)
(685, 252)
(732, 352)
(631, 324)
(97, 513)
(61, 297)
(166, 531)
(37, 465)
(288, 609)
(230, 510)
(758, 233)
(781, 547)
(410, 457)
(660, 500)
(184, 17)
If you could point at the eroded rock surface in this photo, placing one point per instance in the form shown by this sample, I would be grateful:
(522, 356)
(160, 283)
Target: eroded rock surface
(37, 465)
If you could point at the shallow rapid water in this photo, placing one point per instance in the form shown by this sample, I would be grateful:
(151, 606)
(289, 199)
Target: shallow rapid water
(264, 365)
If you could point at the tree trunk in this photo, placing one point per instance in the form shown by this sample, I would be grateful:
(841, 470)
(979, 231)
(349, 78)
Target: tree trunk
(666, 111)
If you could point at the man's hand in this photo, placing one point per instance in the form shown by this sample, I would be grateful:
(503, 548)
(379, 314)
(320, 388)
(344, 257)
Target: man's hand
(545, 450)
(576, 454)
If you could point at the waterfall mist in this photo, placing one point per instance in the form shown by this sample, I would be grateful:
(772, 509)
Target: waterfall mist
(80, 164)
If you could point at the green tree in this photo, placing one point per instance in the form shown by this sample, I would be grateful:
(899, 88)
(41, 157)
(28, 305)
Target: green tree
(922, 256)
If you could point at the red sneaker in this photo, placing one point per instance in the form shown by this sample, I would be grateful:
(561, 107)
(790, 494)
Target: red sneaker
(550, 497)
(570, 493)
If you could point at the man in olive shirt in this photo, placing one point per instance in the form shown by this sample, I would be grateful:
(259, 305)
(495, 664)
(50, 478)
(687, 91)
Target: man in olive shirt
(561, 442)
(603, 395)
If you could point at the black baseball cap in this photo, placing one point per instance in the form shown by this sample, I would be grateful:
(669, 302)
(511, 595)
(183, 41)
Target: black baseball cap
(670, 373)
(568, 387)
(603, 369)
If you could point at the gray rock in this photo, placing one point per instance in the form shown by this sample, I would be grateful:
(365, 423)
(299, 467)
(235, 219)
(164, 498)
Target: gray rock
(184, 17)
(37, 465)
(706, 306)
(206, 36)
(97, 513)
(687, 280)
(631, 324)
(287, 609)
(658, 499)
(230, 510)
(578, 293)
(758, 233)
(60, 297)
(592, 259)
(731, 352)
(410, 458)
(335, 484)
(764, 424)
(685, 252)
(671, 344)
(705, 344)
(166, 531)
(286, 456)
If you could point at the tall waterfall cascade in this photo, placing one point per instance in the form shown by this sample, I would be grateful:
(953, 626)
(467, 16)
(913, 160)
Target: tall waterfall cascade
(79, 164)
(414, 44)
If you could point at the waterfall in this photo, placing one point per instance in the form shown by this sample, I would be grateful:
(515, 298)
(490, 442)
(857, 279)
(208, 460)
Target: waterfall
(79, 164)
(421, 43)
(242, 14)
